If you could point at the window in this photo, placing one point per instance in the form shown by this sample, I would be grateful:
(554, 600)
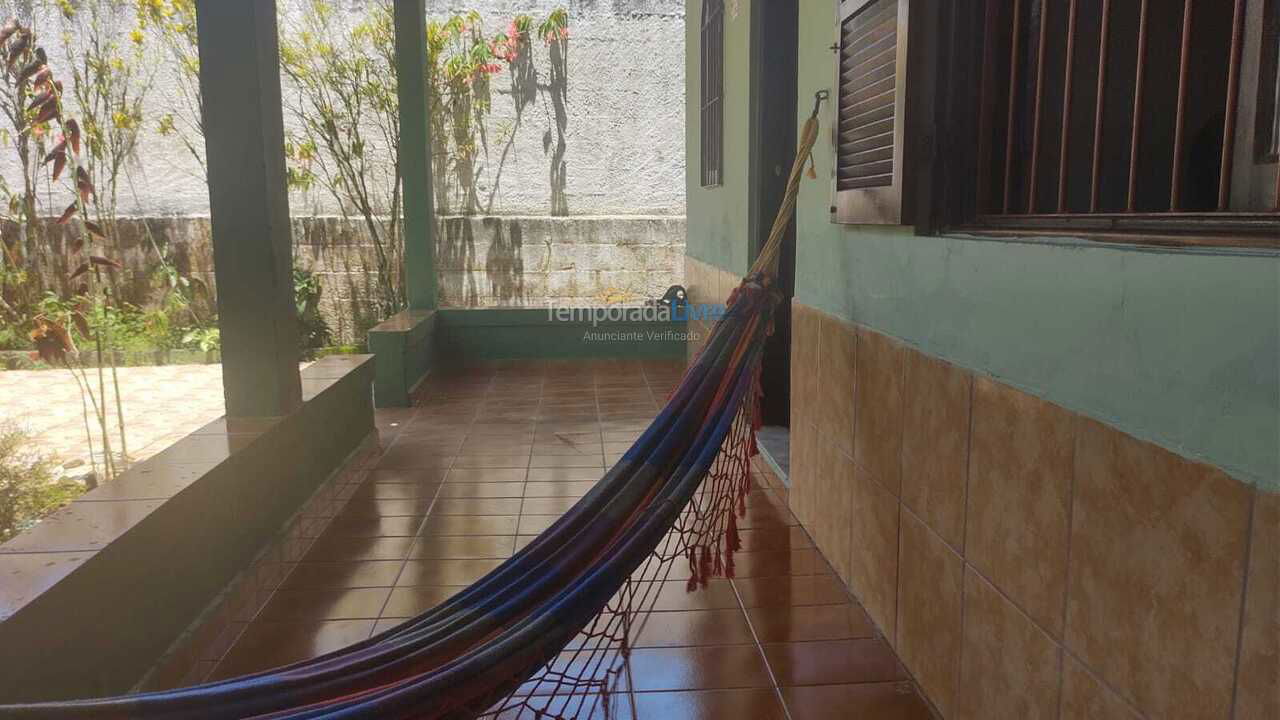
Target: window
(879, 90)
(1119, 115)
(712, 99)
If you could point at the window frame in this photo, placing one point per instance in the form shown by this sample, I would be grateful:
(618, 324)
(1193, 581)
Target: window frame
(711, 107)
(881, 205)
(955, 204)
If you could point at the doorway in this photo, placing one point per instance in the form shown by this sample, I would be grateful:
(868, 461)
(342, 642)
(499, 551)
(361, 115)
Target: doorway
(773, 105)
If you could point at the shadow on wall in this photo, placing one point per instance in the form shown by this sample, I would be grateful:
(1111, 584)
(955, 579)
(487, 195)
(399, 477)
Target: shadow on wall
(456, 248)
(504, 264)
(559, 91)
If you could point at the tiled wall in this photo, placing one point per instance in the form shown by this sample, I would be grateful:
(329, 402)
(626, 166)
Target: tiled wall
(705, 283)
(1024, 560)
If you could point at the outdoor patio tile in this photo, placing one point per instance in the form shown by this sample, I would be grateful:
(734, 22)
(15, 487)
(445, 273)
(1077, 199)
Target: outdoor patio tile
(368, 525)
(369, 505)
(479, 475)
(564, 474)
(491, 461)
(815, 622)
(695, 668)
(687, 628)
(463, 546)
(311, 604)
(476, 506)
(535, 524)
(481, 490)
(404, 454)
(756, 704)
(559, 488)
(334, 575)
(420, 476)
(673, 595)
(397, 491)
(881, 701)
(334, 548)
(773, 563)
(407, 602)
(798, 590)
(267, 645)
(833, 661)
(450, 571)
(547, 505)
(470, 525)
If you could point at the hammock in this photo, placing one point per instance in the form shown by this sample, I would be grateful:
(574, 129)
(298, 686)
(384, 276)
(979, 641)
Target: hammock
(498, 648)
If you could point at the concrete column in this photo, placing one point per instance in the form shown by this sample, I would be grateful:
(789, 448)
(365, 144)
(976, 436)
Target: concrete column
(415, 154)
(249, 204)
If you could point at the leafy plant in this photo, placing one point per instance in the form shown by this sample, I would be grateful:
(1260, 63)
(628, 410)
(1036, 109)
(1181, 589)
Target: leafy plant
(313, 331)
(206, 339)
(28, 488)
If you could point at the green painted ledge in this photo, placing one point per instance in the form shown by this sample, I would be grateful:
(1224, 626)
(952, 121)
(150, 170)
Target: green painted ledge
(402, 345)
(96, 592)
(536, 333)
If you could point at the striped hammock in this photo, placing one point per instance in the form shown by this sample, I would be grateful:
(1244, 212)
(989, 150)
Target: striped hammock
(544, 634)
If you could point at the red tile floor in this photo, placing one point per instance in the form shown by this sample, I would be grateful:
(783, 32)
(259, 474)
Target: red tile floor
(489, 459)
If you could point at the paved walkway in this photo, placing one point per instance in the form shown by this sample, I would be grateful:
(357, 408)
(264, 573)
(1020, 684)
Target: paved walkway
(161, 405)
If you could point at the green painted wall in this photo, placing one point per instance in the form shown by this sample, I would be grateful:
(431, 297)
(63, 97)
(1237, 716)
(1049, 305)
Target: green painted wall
(718, 216)
(1179, 348)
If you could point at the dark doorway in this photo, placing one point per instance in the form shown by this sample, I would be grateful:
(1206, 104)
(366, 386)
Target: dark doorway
(774, 32)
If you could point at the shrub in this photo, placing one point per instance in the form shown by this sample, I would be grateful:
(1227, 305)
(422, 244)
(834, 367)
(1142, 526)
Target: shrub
(28, 488)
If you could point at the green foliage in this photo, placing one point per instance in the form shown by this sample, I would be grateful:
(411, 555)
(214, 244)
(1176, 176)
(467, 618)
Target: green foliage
(28, 490)
(313, 331)
(204, 339)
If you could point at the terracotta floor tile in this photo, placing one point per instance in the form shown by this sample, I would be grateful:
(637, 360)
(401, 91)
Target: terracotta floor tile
(480, 475)
(775, 538)
(833, 661)
(535, 524)
(438, 571)
(748, 704)
(266, 645)
(405, 602)
(481, 490)
(408, 475)
(873, 701)
(672, 595)
(567, 461)
(574, 489)
(689, 628)
(798, 590)
(565, 474)
(405, 455)
(364, 525)
(814, 622)
(698, 668)
(334, 575)
(476, 506)
(338, 548)
(491, 461)
(614, 706)
(463, 547)
(397, 491)
(774, 563)
(547, 505)
(310, 605)
(470, 525)
(385, 508)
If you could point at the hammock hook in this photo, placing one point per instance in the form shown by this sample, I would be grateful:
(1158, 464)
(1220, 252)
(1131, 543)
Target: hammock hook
(818, 97)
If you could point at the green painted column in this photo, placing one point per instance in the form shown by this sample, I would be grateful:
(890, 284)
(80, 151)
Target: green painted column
(249, 205)
(415, 154)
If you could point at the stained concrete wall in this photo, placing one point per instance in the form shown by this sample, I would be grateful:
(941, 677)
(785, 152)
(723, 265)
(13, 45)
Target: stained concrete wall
(619, 144)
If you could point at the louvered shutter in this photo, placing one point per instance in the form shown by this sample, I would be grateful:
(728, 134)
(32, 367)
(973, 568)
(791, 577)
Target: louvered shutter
(871, 75)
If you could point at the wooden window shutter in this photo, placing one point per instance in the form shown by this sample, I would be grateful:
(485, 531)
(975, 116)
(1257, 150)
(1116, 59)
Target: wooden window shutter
(873, 163)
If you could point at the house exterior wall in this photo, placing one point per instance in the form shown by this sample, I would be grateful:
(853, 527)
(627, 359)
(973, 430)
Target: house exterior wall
(1048, 468)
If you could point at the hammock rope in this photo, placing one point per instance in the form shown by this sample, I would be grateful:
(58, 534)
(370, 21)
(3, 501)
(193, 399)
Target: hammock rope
(547, 633)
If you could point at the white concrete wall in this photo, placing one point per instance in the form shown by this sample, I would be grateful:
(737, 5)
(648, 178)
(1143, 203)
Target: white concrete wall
(624, 133)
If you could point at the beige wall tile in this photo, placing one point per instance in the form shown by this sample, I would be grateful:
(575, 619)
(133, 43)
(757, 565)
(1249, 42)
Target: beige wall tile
(1156, 573)
(1020, 468)
(935, 443)
(1258, 693)
(1084, 698)
(929, 596)
(832, 505)
(806, 349)
(804, 461)
(878, 408)
(1009, 667)
(836, 383)
(873, 551)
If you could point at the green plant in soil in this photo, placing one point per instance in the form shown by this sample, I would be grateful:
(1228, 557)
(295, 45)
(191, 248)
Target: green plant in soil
(28, 488)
